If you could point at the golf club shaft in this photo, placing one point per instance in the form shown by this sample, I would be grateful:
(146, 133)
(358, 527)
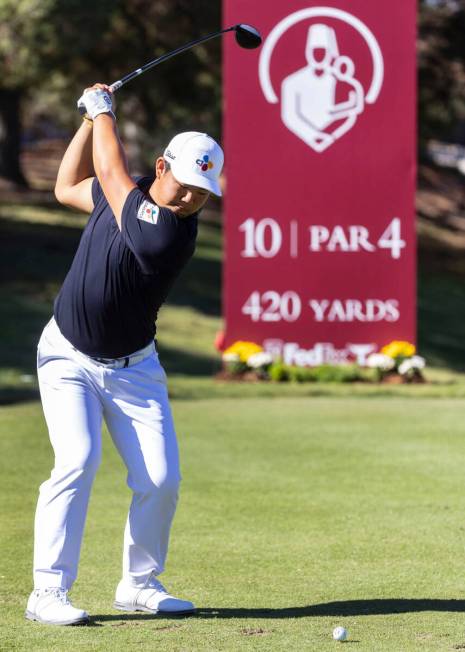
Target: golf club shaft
(164, 57)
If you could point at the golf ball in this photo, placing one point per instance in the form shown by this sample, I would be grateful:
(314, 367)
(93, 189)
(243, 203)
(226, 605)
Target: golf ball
(340, 633)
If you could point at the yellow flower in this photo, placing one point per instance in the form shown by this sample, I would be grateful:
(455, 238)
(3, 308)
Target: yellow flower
(243, 349)
(398, 349)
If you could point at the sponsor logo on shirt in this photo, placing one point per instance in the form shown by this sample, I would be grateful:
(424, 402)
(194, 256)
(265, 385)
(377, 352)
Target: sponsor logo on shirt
(148, 212)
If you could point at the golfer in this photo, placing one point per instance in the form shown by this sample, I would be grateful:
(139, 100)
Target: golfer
(97, 358)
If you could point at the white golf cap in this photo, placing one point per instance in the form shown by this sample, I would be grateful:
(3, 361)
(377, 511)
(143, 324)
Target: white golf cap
(196, 159)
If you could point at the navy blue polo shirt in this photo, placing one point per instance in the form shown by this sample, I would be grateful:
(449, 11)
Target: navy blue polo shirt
(108, 304)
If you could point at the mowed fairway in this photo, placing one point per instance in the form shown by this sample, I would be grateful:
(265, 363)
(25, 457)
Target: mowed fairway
(296, 515)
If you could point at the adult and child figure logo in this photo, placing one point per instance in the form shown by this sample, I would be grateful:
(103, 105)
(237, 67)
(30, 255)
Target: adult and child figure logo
(322, 101)
(308, 96)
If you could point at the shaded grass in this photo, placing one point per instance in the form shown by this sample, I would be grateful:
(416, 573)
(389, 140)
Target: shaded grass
(37, 243)
(441, 320)
(295, 516)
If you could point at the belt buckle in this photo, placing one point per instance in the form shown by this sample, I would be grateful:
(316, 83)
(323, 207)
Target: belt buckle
(115, 363)
(105, 361)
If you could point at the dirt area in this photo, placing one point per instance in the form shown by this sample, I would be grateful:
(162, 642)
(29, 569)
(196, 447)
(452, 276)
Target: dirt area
(440, 204)
(39, 162)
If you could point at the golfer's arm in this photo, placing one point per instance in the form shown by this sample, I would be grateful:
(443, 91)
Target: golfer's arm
(74, 181)
(110, 164)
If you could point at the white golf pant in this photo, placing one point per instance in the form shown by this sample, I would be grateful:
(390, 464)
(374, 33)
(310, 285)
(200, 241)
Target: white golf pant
(76, 394)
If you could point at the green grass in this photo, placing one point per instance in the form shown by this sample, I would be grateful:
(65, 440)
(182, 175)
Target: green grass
(326, 505)
(295, 516)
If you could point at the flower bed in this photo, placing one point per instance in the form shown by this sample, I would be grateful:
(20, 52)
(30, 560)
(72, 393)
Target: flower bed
(396, 363)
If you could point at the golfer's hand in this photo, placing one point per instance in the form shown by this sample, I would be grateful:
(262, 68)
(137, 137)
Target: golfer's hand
(95, 100)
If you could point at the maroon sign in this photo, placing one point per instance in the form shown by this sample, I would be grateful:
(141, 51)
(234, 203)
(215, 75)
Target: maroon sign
(320, 168)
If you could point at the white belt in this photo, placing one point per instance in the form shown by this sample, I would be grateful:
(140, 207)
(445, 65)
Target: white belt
(125, 361)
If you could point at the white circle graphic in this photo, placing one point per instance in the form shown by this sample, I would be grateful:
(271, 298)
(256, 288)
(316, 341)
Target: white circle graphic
(320, 12)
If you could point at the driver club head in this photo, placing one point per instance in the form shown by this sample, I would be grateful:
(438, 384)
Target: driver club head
(247, 36)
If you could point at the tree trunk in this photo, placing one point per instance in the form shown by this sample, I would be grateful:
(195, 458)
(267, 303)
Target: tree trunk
(10, 136)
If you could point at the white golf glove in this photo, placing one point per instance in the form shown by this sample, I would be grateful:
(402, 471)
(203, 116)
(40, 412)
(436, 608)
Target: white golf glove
(94, 102)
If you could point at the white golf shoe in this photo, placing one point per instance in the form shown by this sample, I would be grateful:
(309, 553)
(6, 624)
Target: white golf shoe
(152, 598)
(52, 607)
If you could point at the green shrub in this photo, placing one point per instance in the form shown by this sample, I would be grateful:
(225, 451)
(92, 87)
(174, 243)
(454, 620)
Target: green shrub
(301, 374)
(278, 372)
(236, 368)
(327, 373)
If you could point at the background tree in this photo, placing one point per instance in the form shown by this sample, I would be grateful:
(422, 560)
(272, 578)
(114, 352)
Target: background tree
(441, 66)
(51, 49)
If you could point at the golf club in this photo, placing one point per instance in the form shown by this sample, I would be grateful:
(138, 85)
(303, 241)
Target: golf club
(246, 36)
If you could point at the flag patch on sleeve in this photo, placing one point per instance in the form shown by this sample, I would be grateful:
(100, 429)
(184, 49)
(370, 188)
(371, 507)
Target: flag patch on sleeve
(148, 212)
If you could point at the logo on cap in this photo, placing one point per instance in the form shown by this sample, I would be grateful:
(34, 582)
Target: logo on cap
(204, 163)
